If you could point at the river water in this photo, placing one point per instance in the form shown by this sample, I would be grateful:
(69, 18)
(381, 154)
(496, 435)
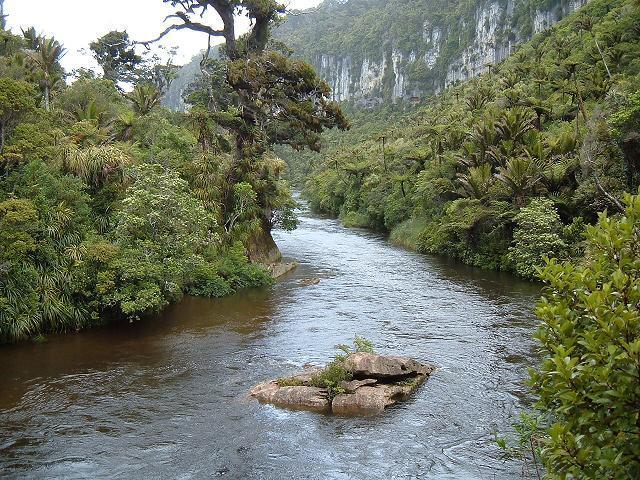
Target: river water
(166, 398)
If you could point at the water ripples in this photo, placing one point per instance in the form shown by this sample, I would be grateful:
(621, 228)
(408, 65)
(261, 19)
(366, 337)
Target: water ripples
(167, 398)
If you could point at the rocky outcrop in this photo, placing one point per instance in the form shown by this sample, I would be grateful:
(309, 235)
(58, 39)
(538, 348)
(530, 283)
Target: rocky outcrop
(439, 54)
(261, 248)
(295, 397)
(279, 269)
(378, 382)
(369, 365)
(369, 400)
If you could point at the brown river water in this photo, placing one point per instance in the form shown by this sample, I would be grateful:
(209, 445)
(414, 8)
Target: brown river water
(166, 398)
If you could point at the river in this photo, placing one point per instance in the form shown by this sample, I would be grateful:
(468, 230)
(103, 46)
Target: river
(166, 398)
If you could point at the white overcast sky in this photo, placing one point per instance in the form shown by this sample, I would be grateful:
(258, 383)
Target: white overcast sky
(75, 23)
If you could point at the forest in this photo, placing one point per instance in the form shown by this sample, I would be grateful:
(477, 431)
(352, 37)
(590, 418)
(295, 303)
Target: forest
(114, 208)
(507, 168)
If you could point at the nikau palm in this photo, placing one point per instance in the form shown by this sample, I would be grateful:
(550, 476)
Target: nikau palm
(46, 65)
(144, 98)
(477, 181)
(521, 175)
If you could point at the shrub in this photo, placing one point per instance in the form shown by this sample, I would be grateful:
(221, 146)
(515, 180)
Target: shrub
(354, 220)
(335, 373)
(589, 379)
(538, 234)
(469, 231)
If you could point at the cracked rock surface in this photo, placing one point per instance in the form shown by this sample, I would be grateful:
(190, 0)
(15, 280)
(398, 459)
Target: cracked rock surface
(378, 382)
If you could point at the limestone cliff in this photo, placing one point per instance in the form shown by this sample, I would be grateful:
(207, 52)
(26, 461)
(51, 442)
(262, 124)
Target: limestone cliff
(370, 51)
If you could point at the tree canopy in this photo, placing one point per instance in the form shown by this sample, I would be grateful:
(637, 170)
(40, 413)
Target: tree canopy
(264, 98)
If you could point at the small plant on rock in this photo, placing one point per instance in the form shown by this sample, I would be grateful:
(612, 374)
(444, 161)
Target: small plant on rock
(335, 373)
(360, 345)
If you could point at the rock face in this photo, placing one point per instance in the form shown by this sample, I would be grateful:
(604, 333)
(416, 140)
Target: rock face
(295, 397)
(369, 365)
(378, 382)
(417, 54)
(279, 269)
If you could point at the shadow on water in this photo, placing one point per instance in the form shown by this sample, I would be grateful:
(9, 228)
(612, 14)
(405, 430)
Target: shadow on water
(167, 397)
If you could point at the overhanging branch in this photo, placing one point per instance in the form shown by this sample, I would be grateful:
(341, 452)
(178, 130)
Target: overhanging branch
(187, 25)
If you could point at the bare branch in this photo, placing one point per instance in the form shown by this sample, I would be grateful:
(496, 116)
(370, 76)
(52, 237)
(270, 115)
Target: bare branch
(187, 25)
(609, 197)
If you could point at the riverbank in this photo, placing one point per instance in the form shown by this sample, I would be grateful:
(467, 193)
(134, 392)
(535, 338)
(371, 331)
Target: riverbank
(170, 394)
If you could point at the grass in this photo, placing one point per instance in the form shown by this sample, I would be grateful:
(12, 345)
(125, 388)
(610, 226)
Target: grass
(407, 234)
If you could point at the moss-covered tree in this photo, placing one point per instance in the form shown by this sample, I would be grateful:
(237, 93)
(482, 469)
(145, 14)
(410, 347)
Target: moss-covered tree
(273, 100)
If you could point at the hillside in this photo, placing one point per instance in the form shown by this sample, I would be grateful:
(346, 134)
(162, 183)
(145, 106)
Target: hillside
(505, 168)
(371, 51)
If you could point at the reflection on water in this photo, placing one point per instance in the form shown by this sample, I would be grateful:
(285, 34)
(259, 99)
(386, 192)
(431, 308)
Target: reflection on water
(166, 398)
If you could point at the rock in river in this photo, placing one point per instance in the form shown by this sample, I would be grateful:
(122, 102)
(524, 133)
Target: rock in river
(377, 382)
(370, 365)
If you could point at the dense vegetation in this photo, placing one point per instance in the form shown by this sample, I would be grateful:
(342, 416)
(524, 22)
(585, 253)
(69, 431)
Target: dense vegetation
(507, 168)
(102, 207)
(589, 380)
(112, 207)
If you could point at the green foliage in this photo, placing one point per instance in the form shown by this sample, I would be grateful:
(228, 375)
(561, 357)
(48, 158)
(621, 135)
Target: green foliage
(360, 345)
(43, 228)
(108, 207)
(90, 99)
(529, 433)
(331, 377)
(589, 378)
(44, 65)
(556, 120)
(289, 382)
(354, 220)
(115, 53)
(162, 232)
(538, 235)
(144, 98)
(16, 100)
(469, 231)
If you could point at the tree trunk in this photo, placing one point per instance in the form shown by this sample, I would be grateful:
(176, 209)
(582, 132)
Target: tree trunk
(631, 149)
(262, 248)
(580, 102)
(2, 133)
(47, 94)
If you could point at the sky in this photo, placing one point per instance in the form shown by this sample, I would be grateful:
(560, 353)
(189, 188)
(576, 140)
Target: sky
(75, 23)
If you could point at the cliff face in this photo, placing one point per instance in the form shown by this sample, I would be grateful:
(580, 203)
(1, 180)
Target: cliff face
(416, 53)
(372, 51)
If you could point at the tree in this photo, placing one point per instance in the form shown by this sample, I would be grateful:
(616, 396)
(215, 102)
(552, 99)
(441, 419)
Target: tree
(162, 232)
(46, 65)
(144, 98)
(31, 38)
(477, 181)
(115, 53)
(18, 239)
(158, 74)
(589, 378)
(95, 165)
(520, 175)
(16, 99)
(275, 100)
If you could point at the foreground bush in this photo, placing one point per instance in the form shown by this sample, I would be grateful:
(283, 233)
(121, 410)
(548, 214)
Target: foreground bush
(589, 380)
